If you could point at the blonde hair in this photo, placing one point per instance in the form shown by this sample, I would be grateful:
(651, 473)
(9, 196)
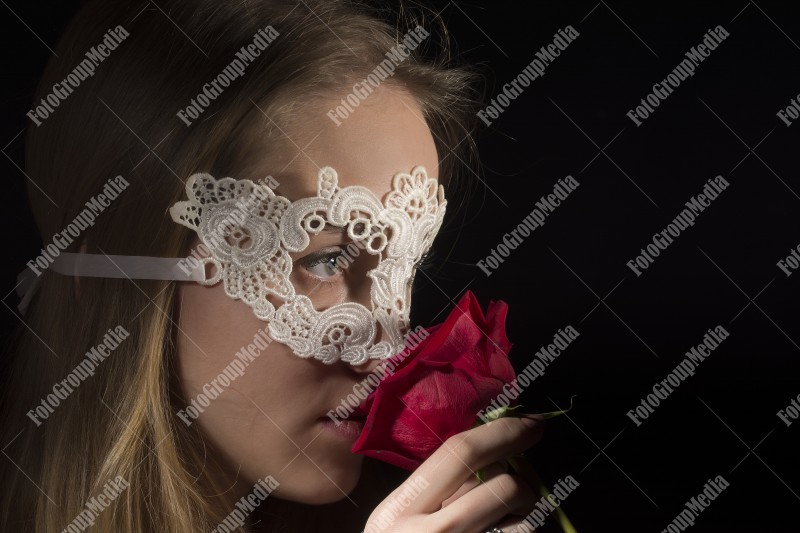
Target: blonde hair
(122, 121)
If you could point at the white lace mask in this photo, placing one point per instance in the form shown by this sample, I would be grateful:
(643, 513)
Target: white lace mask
(250, 232)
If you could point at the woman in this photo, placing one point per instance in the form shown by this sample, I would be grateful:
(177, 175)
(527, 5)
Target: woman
(258, 91)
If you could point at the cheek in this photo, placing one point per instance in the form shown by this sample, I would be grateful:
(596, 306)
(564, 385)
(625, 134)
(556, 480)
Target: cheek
(240, 402)
(256, 422)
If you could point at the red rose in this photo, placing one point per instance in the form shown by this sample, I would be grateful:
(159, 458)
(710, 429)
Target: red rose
(438, 388)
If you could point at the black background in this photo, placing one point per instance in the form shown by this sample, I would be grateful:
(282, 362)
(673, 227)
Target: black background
(633, 182)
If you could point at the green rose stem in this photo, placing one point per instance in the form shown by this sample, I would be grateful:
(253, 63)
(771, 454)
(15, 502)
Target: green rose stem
(523, 467)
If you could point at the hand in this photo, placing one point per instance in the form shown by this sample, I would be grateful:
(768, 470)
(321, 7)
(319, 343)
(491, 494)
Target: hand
(443, 495)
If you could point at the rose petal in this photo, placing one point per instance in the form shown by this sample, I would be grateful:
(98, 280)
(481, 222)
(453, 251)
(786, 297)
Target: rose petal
(438, 388)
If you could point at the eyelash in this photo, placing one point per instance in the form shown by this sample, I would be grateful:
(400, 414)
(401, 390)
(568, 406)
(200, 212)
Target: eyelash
(321, 257)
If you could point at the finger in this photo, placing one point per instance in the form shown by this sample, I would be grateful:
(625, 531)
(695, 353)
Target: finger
(494, 469)
(464, 453)
(487, 504)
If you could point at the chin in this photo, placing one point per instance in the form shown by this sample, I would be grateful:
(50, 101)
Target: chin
(319, 489)
(327, 480)
(325, 495)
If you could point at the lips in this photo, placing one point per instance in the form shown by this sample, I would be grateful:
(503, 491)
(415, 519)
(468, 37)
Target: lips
(347, 428)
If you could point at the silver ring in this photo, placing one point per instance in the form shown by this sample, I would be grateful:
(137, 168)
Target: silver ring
(494, 530)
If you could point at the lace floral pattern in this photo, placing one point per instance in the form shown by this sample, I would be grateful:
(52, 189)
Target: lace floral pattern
(250, 232)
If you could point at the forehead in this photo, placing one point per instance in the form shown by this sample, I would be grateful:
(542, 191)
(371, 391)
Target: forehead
(384, 135)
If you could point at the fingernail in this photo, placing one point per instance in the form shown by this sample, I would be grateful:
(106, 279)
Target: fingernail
(530, 421)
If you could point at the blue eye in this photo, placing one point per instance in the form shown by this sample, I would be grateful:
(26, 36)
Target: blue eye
(322, 264)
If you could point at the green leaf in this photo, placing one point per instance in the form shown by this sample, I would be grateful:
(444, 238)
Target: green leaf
(553, 414)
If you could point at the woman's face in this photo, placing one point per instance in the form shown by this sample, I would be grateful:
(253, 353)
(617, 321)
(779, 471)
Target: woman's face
(272, 421)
